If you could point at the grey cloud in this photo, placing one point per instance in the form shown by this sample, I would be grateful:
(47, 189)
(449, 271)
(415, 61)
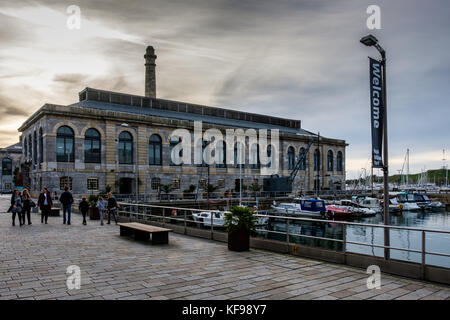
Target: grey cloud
(11, 108)
(298, 59)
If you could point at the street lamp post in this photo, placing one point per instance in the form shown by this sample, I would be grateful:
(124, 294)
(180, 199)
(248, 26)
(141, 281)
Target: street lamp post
(371, 41)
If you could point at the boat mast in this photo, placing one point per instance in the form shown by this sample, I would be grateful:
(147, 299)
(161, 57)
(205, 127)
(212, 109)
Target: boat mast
(407, 168)
(240, 175)
(445, 167)
(318, 165)
(371, 179)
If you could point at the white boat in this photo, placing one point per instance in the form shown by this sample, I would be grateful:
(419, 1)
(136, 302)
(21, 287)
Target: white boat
(370, 203)
(406, 200)
(204, 218)
(355, 209)
(303, 208)
(424, 202)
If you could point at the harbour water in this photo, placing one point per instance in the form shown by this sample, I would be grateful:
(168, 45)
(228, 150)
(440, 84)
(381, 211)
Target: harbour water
(409, 239)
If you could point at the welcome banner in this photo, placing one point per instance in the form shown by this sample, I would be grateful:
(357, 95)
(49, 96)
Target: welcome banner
(376, 111)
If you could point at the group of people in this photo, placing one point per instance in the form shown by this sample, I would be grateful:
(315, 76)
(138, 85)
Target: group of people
(21, 204)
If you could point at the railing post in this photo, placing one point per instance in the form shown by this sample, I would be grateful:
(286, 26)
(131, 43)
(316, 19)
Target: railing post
(423, 254)
(212, 228)
(287, 230)
(164, 216)
(185, 223)
(344, 243)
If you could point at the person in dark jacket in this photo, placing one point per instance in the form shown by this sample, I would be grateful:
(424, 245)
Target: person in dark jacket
(45, 203)
(84, 208)
(16, 207)
(112, 207)
(66, 200)
(27, 203)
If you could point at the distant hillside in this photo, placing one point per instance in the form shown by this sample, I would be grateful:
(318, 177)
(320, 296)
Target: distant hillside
(432, 176)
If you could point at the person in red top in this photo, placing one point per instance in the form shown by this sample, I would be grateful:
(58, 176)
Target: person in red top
(45, 204)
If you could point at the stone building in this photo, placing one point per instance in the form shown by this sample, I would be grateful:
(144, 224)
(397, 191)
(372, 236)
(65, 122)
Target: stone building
(123, 141)
(10, 159)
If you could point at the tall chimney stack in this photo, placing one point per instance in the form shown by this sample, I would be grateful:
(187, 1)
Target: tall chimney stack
(150, 75)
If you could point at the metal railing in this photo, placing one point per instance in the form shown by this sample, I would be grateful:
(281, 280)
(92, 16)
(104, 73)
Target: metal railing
(202, 196)
(345, 241)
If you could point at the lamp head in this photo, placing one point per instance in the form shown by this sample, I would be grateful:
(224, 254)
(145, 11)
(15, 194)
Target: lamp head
(369, 40)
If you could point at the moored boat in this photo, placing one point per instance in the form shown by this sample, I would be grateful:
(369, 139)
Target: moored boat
(204, 218)
(355, 209)
(334, 211)
(369, 202)
(406, 200)
(304, 208)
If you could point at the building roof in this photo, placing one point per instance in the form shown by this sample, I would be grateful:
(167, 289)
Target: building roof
(15, 148)
(184, 116)
(119, 102)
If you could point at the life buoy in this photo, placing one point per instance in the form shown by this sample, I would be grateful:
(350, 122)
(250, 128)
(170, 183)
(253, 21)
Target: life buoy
(174, 212)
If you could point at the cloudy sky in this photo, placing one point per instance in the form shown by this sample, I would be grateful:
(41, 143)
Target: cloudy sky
(299, 59)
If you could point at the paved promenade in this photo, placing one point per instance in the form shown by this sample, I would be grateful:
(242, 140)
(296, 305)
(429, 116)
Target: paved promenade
(34, 259)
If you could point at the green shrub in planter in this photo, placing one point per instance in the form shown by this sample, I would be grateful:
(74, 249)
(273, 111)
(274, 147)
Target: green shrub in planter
(93, 210)
(240, 224)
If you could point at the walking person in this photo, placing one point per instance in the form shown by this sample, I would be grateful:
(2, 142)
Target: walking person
(84, 208)
(27, 205)
(112, 207)
(45, 203)
(16, 207)
(66, 199)
(101, 208)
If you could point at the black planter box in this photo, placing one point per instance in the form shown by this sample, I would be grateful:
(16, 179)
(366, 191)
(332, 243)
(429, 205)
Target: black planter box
(239, 240)
(94, 213)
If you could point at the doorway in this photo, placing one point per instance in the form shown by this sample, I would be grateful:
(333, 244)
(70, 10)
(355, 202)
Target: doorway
(237, 185)
(126, 185)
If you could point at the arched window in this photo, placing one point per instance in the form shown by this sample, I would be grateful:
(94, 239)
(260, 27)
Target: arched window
(330, 160)
(221, 158)
(65, 146)
(302, 155)
(204, 144)
(174, 140)
(155, 150)
(30, 147)
(254, 156)
(25, 146)
(317, 160)
(35, 159)
(291, 158)
(239, 155)
(7, 167)
(41, 146)
(125, 148)
(269, 155)
(340, 162)
(92, 146)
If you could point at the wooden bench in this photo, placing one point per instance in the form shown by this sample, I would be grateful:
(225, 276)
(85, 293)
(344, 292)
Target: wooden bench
(143, 231)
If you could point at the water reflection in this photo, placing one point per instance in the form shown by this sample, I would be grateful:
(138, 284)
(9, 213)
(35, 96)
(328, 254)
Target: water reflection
(435, 242)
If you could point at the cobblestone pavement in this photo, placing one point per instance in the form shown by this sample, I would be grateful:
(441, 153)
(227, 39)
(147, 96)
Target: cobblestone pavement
(34, 260)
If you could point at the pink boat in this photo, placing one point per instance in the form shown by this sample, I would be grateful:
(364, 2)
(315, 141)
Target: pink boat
(336, 212)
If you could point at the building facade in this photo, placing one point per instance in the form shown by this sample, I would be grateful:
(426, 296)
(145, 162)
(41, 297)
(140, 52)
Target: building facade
(10, 158)
(122, 141)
